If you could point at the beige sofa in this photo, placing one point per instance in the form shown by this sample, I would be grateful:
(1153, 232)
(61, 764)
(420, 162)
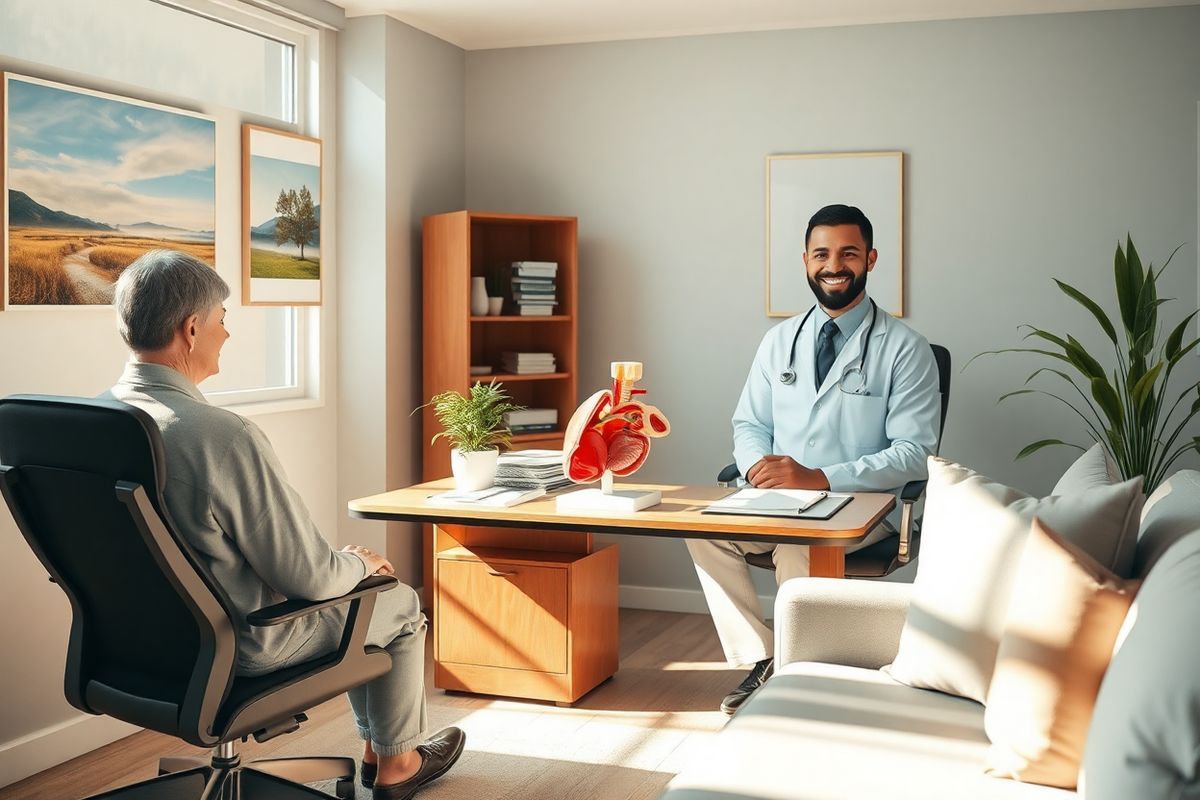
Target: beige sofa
(830, 724)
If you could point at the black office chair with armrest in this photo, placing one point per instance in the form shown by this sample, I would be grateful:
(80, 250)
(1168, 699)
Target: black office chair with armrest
(889, 554)
(153, 638)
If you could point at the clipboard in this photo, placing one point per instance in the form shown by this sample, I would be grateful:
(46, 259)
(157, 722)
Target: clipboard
(821, 510)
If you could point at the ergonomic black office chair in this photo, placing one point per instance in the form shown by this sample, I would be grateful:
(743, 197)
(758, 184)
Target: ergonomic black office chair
(889, 554)
(153, 638)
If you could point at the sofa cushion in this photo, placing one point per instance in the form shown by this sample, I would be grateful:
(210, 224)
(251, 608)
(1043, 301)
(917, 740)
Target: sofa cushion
(972, 537)
(1058, 638)
(1145, 734)
(830, 731)
(1093, 468)
(1171, 512)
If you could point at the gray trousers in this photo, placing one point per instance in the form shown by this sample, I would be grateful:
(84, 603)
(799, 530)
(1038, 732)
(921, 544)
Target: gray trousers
(390, 710)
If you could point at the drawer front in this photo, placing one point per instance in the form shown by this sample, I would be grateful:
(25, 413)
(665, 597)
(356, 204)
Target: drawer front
(502, 615)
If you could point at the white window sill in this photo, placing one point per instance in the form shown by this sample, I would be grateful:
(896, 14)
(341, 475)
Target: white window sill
(274, 406)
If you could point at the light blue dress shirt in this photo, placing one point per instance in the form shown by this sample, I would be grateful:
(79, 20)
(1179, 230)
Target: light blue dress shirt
(874, 441)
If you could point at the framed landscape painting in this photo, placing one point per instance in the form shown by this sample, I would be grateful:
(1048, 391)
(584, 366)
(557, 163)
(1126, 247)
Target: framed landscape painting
(281, 218)
(91, 182)
(798, 186)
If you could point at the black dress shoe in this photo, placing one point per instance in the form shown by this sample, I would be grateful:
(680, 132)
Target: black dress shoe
(757, 677)
(438, 755)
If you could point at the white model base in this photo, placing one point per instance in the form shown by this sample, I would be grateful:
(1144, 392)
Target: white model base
(624, 500)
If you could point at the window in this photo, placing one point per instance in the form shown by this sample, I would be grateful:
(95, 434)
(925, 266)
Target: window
(231, 62)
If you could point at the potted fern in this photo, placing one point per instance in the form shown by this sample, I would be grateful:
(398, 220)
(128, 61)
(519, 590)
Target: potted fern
(474, 426)
(1127, 410)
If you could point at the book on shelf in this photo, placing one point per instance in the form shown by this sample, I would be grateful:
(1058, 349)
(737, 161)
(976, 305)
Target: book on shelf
(535, 269)
(517, 430)
(513, 369)
(550, 265)
(492, 497)
(535, 311)
(516, 355)
(533, 282)
(531, 416)
(534, 297)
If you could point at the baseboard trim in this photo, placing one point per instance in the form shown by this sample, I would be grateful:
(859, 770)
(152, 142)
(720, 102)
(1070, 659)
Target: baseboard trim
(56, 744)
(687, 601)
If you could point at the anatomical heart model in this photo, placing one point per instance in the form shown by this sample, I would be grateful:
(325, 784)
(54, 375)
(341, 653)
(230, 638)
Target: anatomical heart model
(610, 435)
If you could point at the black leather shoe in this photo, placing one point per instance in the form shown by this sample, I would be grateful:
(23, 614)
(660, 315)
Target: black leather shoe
(367, 775)
(757, 677)
(438, 755)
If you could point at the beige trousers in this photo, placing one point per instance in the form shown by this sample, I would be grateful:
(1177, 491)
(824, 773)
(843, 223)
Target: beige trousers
(732, 598)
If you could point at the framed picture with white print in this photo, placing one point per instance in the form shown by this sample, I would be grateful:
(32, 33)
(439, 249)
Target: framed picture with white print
(798, 186)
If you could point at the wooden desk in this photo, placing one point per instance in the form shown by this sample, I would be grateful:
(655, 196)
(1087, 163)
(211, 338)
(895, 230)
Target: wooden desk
(557, 595)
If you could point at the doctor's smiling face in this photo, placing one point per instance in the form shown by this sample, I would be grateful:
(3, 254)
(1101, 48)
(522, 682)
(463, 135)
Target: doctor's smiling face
(837, 257)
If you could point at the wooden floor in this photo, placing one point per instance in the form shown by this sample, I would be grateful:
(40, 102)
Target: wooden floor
(623, 741)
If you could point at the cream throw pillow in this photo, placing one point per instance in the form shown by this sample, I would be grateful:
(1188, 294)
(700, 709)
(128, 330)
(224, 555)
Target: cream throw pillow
(1063, 620)
(972, 537)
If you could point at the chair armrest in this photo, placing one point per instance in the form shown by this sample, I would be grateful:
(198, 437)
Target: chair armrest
(291, 609)
(839, 621)
(912, 492)
(727, 476)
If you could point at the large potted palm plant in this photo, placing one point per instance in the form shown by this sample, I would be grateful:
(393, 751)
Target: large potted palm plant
(1128, 410)
(474, 425)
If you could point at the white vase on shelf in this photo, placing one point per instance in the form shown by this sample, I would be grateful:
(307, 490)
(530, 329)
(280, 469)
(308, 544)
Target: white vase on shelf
(479, 297)
(495, 306)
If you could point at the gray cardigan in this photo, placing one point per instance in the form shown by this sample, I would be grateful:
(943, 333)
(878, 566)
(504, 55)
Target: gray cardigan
(228, 496)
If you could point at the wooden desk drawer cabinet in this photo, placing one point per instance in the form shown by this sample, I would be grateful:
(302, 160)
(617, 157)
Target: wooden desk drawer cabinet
(523, 613)
(525, 620)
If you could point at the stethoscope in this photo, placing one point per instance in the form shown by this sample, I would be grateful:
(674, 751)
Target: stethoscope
(854, 379)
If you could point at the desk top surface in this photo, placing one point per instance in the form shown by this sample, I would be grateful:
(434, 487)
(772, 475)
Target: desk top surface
(678, 513)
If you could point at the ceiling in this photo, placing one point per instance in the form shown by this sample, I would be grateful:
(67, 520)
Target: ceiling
(487, 24)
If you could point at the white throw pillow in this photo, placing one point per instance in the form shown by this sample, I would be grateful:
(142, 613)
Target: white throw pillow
(1093, 468)
(971, 541)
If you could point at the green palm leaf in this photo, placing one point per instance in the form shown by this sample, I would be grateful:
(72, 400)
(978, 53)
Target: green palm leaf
(1029, 449)
(1090, 305)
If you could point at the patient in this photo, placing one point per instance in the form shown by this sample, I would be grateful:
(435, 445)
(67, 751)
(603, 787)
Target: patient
(228, 496)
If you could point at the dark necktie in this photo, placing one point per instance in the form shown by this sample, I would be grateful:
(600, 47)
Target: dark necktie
(825, 354)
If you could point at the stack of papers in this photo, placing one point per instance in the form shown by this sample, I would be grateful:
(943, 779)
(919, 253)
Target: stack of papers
(493, 497)
(530, 469)
(770, 502)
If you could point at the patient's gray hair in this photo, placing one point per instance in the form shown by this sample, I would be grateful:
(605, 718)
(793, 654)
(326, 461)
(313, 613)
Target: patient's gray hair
(160, 290)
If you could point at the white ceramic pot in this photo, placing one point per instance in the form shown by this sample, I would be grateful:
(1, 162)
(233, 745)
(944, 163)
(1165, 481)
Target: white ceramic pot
(479, 297)
(473, 470)
(495, 306)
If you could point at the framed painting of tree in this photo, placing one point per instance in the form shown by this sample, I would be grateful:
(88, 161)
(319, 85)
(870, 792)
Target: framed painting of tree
(281, 218)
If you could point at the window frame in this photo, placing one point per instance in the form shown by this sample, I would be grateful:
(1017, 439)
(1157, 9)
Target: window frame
(301, 114)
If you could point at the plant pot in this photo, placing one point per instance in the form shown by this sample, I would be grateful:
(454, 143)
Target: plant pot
(473, 470)
(495, 306)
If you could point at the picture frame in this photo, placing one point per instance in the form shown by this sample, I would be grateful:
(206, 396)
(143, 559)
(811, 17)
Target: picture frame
(91, 181)
(797, 185)
(282, 189)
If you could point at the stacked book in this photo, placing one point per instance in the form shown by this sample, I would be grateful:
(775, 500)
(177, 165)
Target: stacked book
(527, 363)
(531, 469)
(532, 288)
(531, 420)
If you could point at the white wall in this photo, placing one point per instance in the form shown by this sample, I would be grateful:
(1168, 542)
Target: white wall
(402, 155)
(77, 351)
(1032, 144)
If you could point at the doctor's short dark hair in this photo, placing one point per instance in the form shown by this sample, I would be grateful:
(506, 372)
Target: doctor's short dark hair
(842, 215)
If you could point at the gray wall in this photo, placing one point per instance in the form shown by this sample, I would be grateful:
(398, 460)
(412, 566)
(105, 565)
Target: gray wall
(402, 122)
(1032, 144)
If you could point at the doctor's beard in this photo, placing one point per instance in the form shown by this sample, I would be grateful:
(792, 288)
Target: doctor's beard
(836, 301)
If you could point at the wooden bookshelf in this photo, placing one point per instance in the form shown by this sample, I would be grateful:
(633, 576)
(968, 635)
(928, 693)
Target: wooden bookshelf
(471, 571)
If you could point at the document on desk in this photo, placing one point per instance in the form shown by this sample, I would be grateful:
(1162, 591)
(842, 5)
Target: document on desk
(492, 497)
(799, 503)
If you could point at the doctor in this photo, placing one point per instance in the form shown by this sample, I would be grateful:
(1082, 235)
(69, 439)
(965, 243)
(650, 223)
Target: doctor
(843, 397)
